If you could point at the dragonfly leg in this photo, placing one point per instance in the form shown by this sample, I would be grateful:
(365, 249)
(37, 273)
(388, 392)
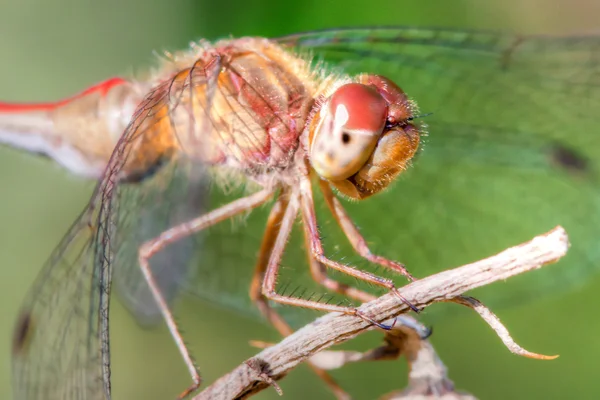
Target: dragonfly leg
(274, 263)
(316, 248)
(358, 242)
(151, 247)
(268, 241)
(319, 274)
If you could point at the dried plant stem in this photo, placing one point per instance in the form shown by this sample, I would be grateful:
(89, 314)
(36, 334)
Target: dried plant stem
(334, 328)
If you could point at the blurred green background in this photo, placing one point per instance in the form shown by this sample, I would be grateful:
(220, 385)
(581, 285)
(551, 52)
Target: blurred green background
(52, 49)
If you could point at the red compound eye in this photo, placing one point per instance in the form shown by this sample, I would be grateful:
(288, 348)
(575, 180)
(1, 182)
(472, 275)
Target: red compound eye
(367, 109)
(363, 136)
(351, 123)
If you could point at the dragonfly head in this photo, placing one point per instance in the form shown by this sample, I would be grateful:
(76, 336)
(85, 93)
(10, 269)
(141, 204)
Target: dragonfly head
(363, 136)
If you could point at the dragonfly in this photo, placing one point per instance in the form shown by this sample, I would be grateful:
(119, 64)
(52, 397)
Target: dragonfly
(457, 144)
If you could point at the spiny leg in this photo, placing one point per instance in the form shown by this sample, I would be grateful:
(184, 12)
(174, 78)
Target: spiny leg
(319, 274)
(153, 246)
(270, 278)
(268, 241)
(358, 242)
(316, 247)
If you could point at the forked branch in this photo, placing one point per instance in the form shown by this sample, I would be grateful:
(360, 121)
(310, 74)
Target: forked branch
(276, 361)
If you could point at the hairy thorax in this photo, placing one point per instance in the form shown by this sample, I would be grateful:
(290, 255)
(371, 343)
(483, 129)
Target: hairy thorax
(240, 104)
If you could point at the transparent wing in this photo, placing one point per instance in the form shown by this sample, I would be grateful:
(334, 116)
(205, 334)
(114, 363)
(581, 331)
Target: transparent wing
(176, 193)
(56, 348)
(61, 344)
(511, 152)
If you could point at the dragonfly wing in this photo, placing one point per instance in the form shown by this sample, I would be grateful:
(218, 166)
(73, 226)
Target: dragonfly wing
(510, 153)
(57, 350)
(172, 195)
(61, 343)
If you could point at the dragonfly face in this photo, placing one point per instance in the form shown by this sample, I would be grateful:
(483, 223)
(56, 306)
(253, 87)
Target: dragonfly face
(362, 137)
(508, 124)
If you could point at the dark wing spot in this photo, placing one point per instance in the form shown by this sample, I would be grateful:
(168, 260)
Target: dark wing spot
(22, 332)
(569, 159)
(345, 138)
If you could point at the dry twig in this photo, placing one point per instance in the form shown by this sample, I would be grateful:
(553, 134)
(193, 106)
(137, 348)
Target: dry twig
(428, 377)
(331, 329)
